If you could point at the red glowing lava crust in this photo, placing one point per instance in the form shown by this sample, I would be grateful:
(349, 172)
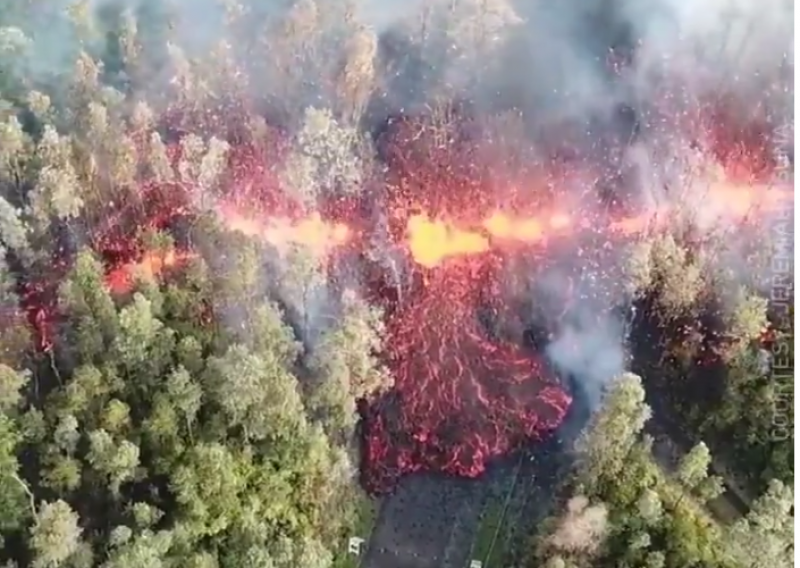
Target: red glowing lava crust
(460, 398)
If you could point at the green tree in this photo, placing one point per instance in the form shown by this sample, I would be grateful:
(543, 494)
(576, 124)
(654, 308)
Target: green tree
(303, 284)
(650, 507)
(256, 392)
(146, 550)
(11, 385)
(693, 468)
(116, 460)
(614, 430)
(93, 319)
(678, 277)
(55, 536)
(209, 486)
(345, 367)
(327, 158)
(655, 559)
(745, 319)
(765, 536)
(16, 499)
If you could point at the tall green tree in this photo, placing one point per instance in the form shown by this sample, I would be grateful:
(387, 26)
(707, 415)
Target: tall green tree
(615, 427)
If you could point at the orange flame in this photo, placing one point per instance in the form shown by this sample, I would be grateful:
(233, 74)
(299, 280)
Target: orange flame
(739, 199)
(152, 265)
(432, 241)
(526, 229)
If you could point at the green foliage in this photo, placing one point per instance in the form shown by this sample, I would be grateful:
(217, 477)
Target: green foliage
(607, 442)
(13, 492)
(718, 381)
(653, 518)
(182, 423)
(765, 536)
(55, 536)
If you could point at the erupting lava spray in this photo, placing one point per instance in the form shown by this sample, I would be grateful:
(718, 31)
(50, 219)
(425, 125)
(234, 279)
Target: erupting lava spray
(456, 231)
(461, 395)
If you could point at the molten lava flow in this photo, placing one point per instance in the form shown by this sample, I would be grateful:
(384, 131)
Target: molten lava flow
(526, 229)
(431, 241)
(312, 232)
(740, 199)
(459, 399)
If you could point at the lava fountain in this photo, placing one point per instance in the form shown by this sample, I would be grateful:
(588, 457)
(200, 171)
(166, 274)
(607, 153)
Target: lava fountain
(461, 395)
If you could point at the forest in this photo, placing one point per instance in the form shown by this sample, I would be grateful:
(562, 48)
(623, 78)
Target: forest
(258, 261)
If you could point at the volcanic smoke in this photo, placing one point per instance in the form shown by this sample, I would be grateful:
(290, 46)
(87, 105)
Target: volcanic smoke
(461, 396)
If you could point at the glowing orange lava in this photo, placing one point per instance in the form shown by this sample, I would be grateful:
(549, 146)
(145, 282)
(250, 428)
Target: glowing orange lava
(462, 395)
(430, 241)
(121, 279)
(311, 231)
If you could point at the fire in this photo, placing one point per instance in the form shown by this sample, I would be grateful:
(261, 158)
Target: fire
(526, 229)
(432, 241)
(312, 232)
(462, 396)
(740, 199)
(152, 265)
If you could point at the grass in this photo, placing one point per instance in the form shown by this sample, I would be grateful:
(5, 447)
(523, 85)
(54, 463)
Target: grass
(491, 520)
(366, 516)
(488, 545)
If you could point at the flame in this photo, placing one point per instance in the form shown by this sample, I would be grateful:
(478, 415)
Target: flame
(431, 242)
(312, 232)
(461, 395)
(526, 229)
(740, 199)
(151, 266)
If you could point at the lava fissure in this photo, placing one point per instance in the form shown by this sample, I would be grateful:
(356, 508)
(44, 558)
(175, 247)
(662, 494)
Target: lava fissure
(433, 243)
